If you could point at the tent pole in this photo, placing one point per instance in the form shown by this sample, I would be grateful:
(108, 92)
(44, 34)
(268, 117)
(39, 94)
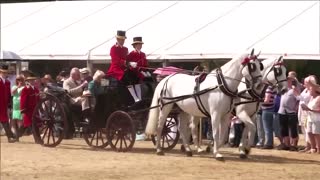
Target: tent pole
(89, 62)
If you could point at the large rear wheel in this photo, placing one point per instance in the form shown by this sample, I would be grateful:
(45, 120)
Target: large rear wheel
(49, 121)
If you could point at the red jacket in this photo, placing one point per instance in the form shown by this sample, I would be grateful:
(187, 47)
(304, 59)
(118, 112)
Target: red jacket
(118, 61)
(5, 96)
(140, 58)
(28, 101)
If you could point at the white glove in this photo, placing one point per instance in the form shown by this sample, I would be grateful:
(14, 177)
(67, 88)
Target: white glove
(133, 64)
(148, 74)
(144, 74)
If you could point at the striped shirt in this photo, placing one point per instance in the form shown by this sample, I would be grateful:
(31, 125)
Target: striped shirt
(269, 99)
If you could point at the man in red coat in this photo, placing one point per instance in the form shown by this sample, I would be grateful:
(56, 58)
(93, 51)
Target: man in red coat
(118, 53)
(137, 61)
(5, 95)
(28, 101)
(117, 69)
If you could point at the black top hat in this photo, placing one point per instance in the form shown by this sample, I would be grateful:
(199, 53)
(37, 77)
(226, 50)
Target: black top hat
(4, 68)
(32, 76)
(121, 34)
(137, 40)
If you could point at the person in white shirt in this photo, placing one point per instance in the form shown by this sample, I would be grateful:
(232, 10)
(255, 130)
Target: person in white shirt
(313, 118)
(304, 98)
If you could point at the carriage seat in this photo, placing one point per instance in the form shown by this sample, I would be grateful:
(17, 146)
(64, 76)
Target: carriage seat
(55, 89)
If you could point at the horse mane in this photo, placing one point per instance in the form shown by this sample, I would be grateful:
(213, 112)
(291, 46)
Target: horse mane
(268, 63)
(236, 59)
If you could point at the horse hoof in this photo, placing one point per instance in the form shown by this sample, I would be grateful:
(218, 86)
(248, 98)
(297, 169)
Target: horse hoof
(182, 148)
(189, 153)
(243, 156)
(220, 158)
(247, 151)
(160, 153)
(208, 149)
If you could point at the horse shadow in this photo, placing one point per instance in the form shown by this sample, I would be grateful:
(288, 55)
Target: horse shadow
(229, 156)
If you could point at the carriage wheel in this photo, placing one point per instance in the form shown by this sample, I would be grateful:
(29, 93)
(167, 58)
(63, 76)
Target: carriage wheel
(170, 136)
(96, 138)
(120, 131)
(49, 121)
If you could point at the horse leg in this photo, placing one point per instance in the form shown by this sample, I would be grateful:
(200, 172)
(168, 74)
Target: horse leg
(194, 122)
(162, 119)
(252, 132)
(243, 147)
(184, 117)
(215, 121)
(224, 129)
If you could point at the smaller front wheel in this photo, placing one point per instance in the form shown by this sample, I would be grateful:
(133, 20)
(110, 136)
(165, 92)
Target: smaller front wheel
(170, 134)
(95, 137)
(120, 131)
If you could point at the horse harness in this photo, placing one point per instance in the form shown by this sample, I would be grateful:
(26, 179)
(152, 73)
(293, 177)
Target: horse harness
(222, 85)
(256, 97)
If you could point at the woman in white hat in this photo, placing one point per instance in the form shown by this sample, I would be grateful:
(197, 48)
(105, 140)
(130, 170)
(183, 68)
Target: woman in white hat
(313, 119)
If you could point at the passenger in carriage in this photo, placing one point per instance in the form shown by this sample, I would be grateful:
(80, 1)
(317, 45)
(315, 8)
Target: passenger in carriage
(45, 81)
(75, 88)
(85, 75)
(63, 75)
(95, 86)
(137, 71)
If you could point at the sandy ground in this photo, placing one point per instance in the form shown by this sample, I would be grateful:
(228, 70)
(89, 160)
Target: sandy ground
(73, 159)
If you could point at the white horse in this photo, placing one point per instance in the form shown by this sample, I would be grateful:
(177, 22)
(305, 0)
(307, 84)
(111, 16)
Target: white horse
(274, 74)
(216, 98)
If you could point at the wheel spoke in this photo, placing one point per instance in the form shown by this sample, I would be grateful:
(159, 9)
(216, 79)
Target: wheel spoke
(102, 138)
(92, 138)
(170, 136)
(44, 134)
(115, 144)
(53, 138)
(50, 107)
(167, 140)
(171, 125)
(48, 140)
(55, 108)
(125, 143)
(121, 142)
(97, 138)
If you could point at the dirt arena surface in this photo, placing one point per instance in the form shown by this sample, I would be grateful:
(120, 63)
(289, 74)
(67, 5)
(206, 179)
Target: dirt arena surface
(73, 159)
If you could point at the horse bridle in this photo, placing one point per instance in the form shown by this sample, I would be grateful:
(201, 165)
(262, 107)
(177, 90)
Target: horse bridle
(256, 96)
(277, 72)
(252, 68)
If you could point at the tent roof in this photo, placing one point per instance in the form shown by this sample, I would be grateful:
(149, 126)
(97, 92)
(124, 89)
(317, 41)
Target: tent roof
(170, 30)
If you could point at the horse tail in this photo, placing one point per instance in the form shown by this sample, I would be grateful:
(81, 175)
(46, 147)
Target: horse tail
(153, 118)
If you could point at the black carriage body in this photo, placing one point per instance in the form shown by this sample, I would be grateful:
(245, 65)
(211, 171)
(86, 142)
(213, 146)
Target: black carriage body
(114, 120)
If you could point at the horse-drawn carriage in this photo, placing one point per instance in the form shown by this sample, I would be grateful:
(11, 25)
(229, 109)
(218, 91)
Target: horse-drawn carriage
(114, 119)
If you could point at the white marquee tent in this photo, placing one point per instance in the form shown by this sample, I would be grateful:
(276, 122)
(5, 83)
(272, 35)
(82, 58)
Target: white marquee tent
(170, 29)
